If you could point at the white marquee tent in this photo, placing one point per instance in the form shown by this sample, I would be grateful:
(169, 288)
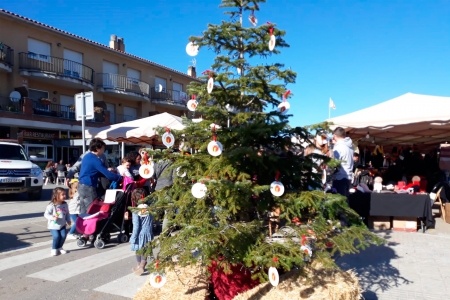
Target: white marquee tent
(406, 120)
(141, 131)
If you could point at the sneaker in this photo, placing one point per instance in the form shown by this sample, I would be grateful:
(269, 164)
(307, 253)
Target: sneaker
(62, 251)
(54, 252)
(71, 237)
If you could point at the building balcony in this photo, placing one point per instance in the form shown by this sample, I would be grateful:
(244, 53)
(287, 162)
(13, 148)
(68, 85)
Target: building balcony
(18, 111)
(123, 87)
(11, 105)
(48, 69)
(6, 58)
(169, 98)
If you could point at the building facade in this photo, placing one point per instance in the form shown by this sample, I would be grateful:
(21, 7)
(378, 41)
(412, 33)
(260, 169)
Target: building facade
(42, 68)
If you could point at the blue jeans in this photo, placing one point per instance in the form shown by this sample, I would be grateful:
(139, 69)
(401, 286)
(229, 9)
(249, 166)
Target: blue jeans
(59, 237)
(74, 220)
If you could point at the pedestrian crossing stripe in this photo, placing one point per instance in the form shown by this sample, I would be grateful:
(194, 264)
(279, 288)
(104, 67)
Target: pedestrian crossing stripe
(83, 265)
(126, 286)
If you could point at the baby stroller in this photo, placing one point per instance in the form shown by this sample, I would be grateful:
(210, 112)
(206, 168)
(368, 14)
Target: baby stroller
(105, 217)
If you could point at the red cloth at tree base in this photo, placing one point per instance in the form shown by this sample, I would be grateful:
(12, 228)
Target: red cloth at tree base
(227, 286)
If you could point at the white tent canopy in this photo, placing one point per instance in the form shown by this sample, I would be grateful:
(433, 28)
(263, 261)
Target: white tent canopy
(406, 120)
(141, 131)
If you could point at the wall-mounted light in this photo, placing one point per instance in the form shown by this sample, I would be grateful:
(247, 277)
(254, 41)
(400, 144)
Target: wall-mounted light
(170, 77)
(55, 92)
(59, 44)
(120, 104)
(367, 135)
(124, 64)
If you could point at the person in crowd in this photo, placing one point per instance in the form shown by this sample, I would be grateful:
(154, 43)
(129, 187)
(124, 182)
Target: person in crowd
(355, 161)
(135, 159)
(57, 214)
(61, 167)
(50, 172)
(343, 151)
(91, 169)
(74, 207)
(77, 166)
(124, 169)
(142, 229)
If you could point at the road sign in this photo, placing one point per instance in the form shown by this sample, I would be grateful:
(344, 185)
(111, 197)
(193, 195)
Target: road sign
(84, 106)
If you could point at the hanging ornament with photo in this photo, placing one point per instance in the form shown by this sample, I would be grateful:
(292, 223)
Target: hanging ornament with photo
(192, 48)
(192, 104)
(272, 40)
(157, 279)
(274, 277)
(215, 148)
(199, 190)
(210, 84)
(306, 249)
(252, 18)
(179, 172)
(168, 139)
(276, 187)
(284, 106)
(146, 169)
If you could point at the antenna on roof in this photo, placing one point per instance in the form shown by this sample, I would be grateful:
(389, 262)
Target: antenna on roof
(193, 62)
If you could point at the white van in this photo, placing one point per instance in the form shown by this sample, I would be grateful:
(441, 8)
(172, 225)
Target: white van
(17, 173)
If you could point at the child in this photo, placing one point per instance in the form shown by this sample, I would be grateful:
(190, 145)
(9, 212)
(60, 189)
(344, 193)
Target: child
(57, 214)
(74, 207)
(124, 169)
(142, 230)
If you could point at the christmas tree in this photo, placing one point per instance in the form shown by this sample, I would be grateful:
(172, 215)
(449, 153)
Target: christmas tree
(232, 159)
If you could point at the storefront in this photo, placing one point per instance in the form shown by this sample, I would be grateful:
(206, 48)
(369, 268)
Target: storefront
(39, 143)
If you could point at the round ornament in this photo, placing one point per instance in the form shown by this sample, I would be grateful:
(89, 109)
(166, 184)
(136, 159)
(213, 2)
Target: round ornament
(274, 277)
(307, 249)
(192, 105)
(168, 139)
(157, 280)
(277, 188)
(179, 172)
(210, 85)
(192, 49)
(142, 210)
(272, 42)
(199, 190)
(253, 20)
(215, 148)
(146, 171)
(324, 177)
(283, 107)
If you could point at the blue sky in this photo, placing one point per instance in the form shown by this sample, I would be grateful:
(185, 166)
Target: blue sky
(359, 53)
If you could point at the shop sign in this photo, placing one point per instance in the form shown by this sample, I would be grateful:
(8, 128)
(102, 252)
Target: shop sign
(28, 134)
(72, 135)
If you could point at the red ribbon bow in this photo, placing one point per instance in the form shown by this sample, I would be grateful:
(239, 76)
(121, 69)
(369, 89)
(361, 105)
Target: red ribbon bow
(270, 28)
(285, 95)
(213, 129)
(156, 264)
(167, 129)
(275, 259)
(277, 175)
(303, 240)
(193, 97)
(209, 72)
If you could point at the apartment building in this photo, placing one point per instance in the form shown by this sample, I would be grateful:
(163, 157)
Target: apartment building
(42, 68)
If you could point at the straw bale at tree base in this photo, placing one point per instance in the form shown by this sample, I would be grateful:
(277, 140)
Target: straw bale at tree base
(322, 284)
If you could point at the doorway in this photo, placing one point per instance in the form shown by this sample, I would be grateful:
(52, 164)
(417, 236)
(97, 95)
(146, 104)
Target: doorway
(68, 154)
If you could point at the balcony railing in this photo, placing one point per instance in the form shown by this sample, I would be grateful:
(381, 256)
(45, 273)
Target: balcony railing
(11, 104)
(119, 118)
(171, 96)
(122, 83)
(6, 55)
(55, 65)
(59, 111)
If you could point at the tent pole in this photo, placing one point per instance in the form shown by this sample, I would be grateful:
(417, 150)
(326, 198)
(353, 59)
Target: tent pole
(123, 150)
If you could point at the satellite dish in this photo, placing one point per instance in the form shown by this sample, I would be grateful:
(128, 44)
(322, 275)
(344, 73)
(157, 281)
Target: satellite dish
(15, 96)
(160, 88)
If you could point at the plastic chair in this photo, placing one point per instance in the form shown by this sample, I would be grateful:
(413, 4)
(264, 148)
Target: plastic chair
(61, 177)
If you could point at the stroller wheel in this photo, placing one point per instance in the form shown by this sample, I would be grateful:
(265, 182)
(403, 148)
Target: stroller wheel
(81, 242)
(122, 238)
(99, 244)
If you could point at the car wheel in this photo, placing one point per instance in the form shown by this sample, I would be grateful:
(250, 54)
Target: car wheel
(35, 195)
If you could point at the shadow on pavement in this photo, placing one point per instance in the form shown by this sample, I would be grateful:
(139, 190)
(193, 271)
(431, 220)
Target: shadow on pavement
(23, 216)
(9, 241)
(374, 269)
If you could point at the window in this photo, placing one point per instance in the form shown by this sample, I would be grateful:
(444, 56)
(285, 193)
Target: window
(129, 114)
(112, 112)
(38, 151)
(38, 50)
(73, 63)
(177, 91)
(67, 106)
(37, 95)
(160, 81)
(13, 153)
(110, 78)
